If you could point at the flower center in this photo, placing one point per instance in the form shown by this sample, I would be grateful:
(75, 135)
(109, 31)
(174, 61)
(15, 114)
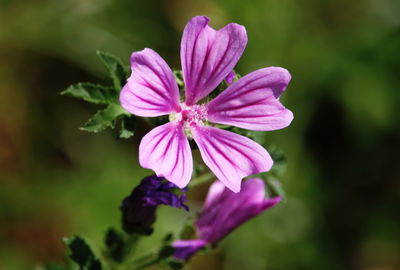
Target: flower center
(189, 116)
(194, 114)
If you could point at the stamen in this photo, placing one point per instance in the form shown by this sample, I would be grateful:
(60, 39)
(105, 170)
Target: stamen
(193, 115)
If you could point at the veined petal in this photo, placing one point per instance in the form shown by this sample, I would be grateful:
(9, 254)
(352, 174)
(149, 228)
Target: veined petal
(166, 150)
(151, 90)
(229, 210)
(230, 156)
(208, 55)
(253, 101)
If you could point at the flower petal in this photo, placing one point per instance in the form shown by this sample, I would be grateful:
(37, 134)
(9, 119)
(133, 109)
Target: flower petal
(184, 249)
(229, 210)
(230, 156)
(214, 193)
(151, 90)
(166, 150)
(208, 55)
(253, 101)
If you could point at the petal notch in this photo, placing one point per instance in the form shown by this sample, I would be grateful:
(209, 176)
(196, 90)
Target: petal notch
(151, 90)
(208, 56)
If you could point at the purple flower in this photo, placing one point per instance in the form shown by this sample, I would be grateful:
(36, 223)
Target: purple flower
(223, 212)
(139, 208)
(208, 56)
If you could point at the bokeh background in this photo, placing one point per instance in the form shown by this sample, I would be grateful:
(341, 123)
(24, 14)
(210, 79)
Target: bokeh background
(343, 148)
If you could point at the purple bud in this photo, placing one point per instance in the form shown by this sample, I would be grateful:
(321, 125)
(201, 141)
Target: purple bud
(231, 76)
(139, 208)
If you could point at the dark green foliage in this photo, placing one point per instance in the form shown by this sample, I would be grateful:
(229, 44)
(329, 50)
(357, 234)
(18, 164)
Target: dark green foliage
(82, 254)
(115, 68)
(280, 162)
(93, 93)
(104, 118)
(271, 178)
(115, 244)
(107, 95)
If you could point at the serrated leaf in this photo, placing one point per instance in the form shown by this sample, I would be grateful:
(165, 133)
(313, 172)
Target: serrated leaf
(104, 118)
(126, 134)
(93, 93)
(115, 68)
(127, 127)
(82, 254)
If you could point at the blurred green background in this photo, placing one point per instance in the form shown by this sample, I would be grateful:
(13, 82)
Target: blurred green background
(343, 148)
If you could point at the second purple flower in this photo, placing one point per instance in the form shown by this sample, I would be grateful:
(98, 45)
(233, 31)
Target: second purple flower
(208, 57)
(223, 212)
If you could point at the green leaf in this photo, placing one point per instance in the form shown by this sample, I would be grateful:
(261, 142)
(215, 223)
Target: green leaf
(93, 93)
(52, 266)
(128, 125)
(115, 68)
(82, 254)
(104, 118)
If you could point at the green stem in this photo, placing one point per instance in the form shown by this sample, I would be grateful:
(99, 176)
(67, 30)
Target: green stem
(131, 245)
(147, 264)
(201, 180)
(145, 261)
